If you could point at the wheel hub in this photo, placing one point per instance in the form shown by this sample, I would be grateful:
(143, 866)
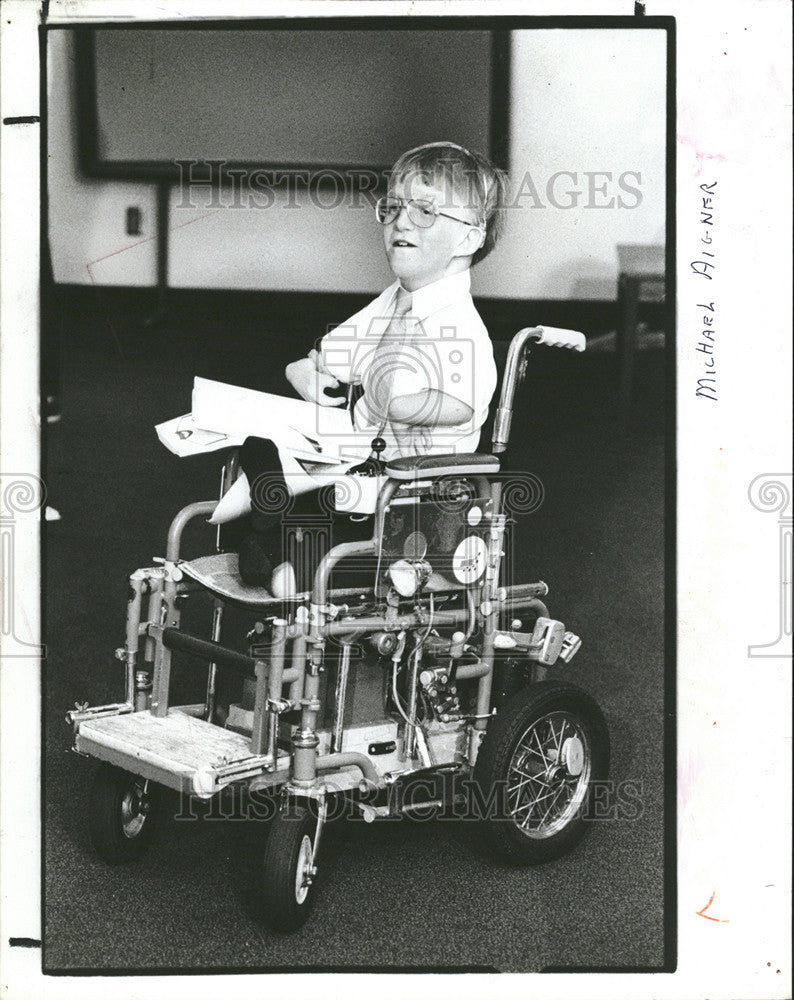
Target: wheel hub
(134, 809)
(548, 774)
(573, 755)
(304, 871)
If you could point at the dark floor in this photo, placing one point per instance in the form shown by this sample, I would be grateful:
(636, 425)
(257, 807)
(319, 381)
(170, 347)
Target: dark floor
(405, 894)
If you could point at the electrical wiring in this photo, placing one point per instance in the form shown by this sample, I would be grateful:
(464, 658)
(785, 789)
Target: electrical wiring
(414, 653)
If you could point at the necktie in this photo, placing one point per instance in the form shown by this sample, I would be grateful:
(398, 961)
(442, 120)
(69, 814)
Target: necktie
(386, 357)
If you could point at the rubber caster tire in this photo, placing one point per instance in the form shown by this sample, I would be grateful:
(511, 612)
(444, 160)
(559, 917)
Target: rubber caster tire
(542, 754)
(288, 882)
(122, 814)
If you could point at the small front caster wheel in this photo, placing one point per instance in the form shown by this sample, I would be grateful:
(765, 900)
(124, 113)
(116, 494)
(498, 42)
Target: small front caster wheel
(121, 814)
(288, 870)
(542, 755)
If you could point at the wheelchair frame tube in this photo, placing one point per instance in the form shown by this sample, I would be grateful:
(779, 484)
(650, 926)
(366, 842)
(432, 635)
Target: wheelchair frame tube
(133, 636)
(490, 605)
(329, 560)
(305, 741)
(260, 725)
(212, 669)
(517, 355)
(153, 613)
(162, 655)
(174, 638)
(298, 659)
(340, 697)
(275, 680)
(180, 521)
(344, 759)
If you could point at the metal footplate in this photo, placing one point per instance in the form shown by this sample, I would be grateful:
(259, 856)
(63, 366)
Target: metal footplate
(178, 751)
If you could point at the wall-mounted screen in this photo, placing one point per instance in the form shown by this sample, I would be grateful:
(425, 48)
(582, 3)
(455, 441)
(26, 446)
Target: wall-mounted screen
(286, 99)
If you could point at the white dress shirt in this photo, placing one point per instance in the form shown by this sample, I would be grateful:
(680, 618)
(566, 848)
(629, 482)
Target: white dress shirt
(447, 349)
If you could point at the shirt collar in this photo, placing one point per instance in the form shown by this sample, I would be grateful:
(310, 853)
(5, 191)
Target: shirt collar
(429, 299)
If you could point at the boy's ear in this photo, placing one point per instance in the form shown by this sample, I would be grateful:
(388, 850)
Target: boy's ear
(471, 242)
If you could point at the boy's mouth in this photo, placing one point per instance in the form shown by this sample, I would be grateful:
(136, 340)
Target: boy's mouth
(401, 243)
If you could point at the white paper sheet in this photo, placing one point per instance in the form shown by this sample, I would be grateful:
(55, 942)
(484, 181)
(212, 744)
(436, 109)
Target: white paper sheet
(303, 427)
(182, 437)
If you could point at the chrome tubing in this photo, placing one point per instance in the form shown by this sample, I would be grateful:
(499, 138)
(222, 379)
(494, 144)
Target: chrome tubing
(347, 758)
(275, 681)
(415, 658)
(132, 636)
(180, 521)
(212, 669)
(329, 560)
(514, 372)
(154, 611)
(340, 696)
(78, 715)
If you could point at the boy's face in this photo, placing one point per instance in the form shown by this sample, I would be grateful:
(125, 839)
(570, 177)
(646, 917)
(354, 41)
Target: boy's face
(419, 256)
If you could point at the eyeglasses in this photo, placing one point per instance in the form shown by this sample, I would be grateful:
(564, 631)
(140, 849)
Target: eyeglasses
(421, 213)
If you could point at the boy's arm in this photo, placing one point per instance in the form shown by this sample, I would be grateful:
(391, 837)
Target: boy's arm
(429, 408)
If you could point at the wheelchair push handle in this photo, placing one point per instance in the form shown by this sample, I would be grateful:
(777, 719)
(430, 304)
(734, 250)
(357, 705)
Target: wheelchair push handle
(553, 336)
(516, 368)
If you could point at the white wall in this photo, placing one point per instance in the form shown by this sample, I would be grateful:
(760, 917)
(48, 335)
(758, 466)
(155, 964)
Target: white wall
(583, 100)
(87, 216)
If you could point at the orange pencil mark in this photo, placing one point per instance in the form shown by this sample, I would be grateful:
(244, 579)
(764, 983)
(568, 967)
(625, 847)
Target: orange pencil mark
(148, 239)
(702, 913)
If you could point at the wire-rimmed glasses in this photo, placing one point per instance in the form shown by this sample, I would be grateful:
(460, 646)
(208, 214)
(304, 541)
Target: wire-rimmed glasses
(420, 212)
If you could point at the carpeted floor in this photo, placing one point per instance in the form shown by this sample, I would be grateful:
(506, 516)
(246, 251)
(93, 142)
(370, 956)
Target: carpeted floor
(393, 895)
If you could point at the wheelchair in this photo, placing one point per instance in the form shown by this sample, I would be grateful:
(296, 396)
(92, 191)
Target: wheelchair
(435, 686)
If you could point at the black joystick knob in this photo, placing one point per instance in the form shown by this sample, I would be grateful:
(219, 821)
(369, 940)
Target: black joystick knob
(373, 465)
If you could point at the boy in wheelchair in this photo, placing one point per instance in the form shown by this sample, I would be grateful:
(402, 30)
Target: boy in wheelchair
(418, 355)
(458, 685)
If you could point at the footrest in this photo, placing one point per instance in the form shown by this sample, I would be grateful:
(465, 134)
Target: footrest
(220, 573)
(178, 751)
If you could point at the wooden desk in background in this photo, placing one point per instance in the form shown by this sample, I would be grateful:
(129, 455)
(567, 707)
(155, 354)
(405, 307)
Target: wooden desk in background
(640, 279)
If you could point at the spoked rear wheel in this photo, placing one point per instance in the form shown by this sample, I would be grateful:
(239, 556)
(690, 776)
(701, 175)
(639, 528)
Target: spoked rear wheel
(288, 870)
(536, 769)
(121, 814)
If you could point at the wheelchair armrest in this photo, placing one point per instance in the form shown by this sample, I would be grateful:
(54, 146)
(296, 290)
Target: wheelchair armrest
(420, 466)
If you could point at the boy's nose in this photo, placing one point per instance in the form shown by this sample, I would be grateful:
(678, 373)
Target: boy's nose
(403, 221)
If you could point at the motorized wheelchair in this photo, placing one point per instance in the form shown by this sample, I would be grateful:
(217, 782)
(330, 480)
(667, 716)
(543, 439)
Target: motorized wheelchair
(433, 676)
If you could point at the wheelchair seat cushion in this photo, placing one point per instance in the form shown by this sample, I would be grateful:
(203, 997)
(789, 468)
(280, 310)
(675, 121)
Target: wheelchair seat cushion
(420, 466)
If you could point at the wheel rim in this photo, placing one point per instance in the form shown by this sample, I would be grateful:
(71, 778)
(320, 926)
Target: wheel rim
(133, 809)
(548, 775)
(303, 870)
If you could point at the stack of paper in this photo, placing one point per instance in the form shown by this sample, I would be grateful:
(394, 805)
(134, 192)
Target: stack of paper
(224, 416)
(317, 445)
(183, 437)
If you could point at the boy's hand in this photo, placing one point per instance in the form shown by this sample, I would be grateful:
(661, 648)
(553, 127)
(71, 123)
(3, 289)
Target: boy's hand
(309, 379)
